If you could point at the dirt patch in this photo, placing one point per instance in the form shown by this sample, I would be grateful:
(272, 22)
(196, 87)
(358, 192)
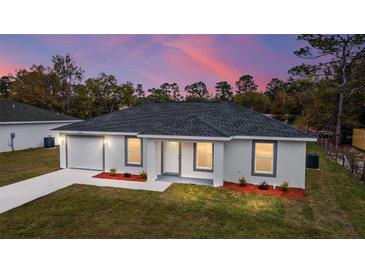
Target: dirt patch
(292, 193)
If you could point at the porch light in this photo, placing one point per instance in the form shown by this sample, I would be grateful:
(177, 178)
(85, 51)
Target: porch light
(105, 140)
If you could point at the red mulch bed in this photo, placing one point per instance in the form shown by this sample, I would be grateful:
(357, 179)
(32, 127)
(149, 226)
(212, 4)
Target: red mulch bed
(292, 193)
(120, 176)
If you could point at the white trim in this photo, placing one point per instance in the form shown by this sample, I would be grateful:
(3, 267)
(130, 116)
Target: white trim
(181, 137)
(40, 122)
(75, 132)
(301, 139)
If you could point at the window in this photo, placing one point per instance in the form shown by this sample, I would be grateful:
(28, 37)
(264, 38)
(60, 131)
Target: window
(133, 151)
(264, 158)
(203, 156)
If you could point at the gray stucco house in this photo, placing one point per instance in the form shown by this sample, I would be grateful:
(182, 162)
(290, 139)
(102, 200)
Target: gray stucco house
(215, 141)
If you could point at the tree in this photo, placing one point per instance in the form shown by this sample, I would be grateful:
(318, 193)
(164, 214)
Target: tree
(223, 91)
(246, 84)
(273, 87)
(254, 100)
(70, 75)
(126, 94)
(197, 92)
(139, 91)
(158, 95)
(172, 90)
(37, 87)
(284, 106)
(104, 94)
(338, 56)
(5, 83)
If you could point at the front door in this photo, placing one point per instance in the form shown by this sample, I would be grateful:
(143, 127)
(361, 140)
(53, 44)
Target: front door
(171, 158)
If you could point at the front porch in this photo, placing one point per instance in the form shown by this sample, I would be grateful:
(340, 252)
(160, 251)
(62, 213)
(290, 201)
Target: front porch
(184, 180)
(192, 161)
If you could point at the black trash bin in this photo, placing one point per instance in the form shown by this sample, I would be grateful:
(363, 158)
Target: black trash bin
(48, 142)
(312, 161)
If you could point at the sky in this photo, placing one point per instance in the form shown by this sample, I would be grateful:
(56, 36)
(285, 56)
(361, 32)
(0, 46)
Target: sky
(154, 59)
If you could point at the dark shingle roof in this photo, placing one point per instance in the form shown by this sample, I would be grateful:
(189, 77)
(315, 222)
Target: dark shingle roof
(213, 119)
(11, 111)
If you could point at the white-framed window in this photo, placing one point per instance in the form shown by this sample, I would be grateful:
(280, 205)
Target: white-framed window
(203, 156)
(264, 158)
(133, 153)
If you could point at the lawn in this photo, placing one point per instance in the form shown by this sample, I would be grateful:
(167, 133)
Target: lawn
(24, 164)
(334, 208)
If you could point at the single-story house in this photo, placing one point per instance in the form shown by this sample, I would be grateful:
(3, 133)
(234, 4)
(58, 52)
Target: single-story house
(23, 126)
(213, 141)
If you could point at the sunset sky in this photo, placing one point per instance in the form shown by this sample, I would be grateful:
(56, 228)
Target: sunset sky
(154, 59)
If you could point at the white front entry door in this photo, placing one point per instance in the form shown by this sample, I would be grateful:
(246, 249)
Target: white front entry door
(171, 157)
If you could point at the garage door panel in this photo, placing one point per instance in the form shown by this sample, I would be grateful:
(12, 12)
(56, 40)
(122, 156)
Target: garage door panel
(85, 152)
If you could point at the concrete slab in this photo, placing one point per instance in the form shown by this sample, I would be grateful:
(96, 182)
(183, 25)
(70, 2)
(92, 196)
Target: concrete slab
(14, 195)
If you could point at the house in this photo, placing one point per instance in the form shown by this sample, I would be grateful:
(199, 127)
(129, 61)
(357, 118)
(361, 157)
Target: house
(23, 126)
(211, 142)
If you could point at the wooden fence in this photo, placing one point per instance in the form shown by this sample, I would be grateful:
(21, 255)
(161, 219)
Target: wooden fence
(353, 162)
(358, 138)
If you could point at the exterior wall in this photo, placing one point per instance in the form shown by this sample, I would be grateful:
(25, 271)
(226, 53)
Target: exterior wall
(290, 163)
(115, 155)
(232, 160)
(27, 135)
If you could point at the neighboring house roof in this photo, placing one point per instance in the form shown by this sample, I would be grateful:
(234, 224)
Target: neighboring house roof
(12, 111)
(211, 119)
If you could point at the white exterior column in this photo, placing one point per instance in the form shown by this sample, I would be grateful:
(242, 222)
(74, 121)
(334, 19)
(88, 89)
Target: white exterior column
(62, 143)
(151, 160)
(218, 164)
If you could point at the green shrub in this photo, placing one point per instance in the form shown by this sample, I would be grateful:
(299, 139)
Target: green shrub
(143, 174)
(285, 186)
(113, 171)
(242, 181)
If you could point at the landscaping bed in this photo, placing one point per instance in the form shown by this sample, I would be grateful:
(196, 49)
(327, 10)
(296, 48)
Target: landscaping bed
(291, 193)
(120, 176)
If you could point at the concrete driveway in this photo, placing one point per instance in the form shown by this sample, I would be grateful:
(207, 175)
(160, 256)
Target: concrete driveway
(14, 195)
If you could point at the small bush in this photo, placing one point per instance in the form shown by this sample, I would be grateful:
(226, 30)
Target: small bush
(143, 174)
(127, 174)
(242, 181)
(285, 186)
(264, 186)
(113, 171)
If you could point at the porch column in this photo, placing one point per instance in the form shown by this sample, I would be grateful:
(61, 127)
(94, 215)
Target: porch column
(218, 164)
(63, 147)
(151, 160)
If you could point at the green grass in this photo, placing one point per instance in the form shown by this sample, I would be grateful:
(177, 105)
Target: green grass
(24, 164)
(334, 208)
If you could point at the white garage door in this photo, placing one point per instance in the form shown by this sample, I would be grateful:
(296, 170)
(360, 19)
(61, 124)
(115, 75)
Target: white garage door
(85, 152)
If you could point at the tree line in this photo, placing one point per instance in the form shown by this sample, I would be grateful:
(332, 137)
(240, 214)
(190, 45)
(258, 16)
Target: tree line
(327, 92)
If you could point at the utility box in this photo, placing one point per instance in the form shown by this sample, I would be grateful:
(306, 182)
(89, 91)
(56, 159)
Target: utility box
(312, 161)
(49, 142)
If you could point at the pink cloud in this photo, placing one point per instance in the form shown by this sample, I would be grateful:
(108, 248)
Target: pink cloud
(196, 53)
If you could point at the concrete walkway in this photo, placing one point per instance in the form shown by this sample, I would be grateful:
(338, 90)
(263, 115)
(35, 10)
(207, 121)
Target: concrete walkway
(14, 195)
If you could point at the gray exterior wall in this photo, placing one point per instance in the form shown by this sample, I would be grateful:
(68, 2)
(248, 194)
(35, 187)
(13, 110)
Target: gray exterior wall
(290, 163)
(232, 160)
